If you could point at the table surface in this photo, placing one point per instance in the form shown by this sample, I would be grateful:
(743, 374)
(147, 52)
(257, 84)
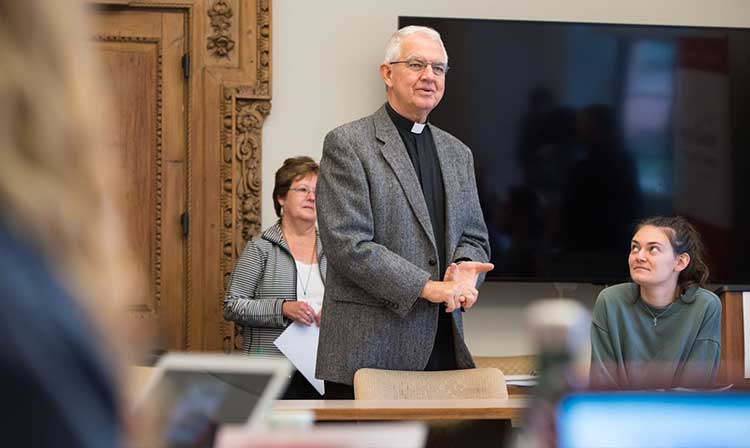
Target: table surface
(350, 410)
(343, 410)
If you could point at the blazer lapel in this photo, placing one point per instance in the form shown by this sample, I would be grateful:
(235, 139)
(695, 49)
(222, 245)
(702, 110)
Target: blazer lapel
(451, 186)
(395, 154)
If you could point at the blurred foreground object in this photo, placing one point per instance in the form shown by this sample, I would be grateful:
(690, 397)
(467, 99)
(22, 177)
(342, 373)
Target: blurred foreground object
(560, 331)
(654, 419)
(64, 270)
(341, 435)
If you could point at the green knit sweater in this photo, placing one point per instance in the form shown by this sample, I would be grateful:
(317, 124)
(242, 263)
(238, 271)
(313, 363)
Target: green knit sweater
(635, 346)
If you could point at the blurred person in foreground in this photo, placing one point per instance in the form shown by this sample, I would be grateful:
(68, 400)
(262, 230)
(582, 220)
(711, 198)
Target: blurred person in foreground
(663, 330)
(280, 276)
(63, 269)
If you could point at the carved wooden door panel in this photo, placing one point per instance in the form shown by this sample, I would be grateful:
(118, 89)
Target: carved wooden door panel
(142, 57)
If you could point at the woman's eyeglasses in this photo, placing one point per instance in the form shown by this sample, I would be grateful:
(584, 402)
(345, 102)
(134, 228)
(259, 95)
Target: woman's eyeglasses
(304, 190)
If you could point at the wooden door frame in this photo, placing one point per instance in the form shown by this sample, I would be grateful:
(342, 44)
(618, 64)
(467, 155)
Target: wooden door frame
(228, 99)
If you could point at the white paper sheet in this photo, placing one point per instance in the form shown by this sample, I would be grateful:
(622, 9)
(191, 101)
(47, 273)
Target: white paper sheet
(746, 325)
(299, 344)
(521, 380)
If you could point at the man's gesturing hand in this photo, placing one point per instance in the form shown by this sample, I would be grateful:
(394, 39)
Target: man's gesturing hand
(467, 272)
(449, 292)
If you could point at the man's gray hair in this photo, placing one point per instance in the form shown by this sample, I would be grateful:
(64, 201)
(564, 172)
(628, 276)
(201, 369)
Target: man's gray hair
(393, 48)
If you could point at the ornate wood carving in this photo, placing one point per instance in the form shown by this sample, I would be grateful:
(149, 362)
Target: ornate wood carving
(220, 43)
(244, 108)
(243, 116)
(143, 311)
(249, 124)
(228, 97)
(264, 48)
(189, 206)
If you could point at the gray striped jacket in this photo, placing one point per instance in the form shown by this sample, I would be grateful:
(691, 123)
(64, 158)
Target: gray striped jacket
(263, 278)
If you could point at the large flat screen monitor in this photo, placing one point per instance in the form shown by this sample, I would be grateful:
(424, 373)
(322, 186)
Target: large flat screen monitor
(579, 130)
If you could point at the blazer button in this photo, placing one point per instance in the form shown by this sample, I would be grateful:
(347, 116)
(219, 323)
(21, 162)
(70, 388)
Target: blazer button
(432, 262)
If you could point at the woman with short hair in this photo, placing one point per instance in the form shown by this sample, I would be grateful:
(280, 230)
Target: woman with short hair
(280, 275)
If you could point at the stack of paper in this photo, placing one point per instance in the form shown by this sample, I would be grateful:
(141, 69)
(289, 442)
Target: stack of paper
(521, 380)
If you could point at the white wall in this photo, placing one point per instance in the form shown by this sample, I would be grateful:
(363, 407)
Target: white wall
(325, 73)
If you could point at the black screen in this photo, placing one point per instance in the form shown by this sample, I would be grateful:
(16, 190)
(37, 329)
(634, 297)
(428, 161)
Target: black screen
(581, 130)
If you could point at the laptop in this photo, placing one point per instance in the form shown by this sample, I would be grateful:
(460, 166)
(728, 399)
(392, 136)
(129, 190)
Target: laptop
(654, 419)
(190, 395)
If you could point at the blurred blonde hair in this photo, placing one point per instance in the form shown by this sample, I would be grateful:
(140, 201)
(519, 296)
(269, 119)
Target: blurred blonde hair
(58, 185)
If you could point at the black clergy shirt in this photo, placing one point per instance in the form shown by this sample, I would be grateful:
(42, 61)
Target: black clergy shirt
(423, 154)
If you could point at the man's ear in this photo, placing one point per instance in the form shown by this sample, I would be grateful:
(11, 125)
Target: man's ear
(387, 74)
(683, 261)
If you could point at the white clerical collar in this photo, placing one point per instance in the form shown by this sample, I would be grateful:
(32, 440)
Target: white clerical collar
(417, 128)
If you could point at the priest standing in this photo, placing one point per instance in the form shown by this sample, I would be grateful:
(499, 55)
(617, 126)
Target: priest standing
(398, 208)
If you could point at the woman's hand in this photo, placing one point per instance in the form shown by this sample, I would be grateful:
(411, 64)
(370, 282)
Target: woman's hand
(301, 312)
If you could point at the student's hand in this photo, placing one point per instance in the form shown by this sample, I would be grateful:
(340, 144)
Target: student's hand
(299, 311)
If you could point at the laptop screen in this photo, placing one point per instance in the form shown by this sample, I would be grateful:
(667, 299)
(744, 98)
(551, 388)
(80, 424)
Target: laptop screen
(191, 395)
(196, 403)
(655, 419)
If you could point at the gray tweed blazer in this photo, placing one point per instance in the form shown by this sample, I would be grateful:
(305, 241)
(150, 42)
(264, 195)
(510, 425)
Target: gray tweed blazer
(374, 222)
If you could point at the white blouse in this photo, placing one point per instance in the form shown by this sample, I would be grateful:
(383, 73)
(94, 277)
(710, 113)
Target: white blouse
(310, 286)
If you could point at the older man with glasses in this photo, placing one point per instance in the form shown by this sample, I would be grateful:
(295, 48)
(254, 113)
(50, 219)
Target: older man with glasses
(399, 212)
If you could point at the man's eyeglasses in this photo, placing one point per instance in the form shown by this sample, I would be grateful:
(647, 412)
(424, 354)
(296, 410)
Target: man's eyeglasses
(304, 190)
(418, 65)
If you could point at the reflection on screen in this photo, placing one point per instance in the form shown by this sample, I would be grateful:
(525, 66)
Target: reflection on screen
(196, 403)
(579, 130)
(654, 420)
